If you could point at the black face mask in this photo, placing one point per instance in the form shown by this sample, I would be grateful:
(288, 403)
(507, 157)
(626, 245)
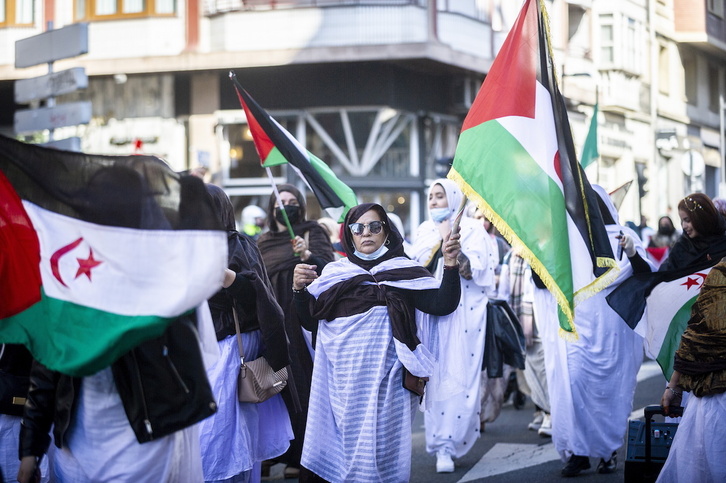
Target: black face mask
(293, 214)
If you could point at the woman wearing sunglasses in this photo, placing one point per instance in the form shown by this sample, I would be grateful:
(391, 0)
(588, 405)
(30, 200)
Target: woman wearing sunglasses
(280, 254)
(370, 312)
(452, 422)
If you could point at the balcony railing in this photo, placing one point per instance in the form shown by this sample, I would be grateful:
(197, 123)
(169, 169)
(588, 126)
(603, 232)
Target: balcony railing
(469, 8)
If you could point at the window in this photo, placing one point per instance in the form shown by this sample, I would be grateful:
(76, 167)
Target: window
(607, 37)
(16, 12)
(632, 46)
(115, 9)
(622, 43)
(664, 75)
(690, 71)
(715, 7)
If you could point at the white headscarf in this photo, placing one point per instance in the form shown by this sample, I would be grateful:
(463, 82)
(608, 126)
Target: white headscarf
(453, 194)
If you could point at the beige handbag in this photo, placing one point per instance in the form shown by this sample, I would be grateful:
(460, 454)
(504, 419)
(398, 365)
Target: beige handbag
(257, 381)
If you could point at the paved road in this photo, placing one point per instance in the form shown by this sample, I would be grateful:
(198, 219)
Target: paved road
(509, 452)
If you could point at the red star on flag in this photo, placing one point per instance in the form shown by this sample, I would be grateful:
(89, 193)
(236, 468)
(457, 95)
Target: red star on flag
(691, 282)
(85, 266)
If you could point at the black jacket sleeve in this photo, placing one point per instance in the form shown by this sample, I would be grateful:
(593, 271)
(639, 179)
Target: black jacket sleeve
(318, 262)
(639, 265)
(38, 413)
(443, 300)
(302, 306)
(243, 292)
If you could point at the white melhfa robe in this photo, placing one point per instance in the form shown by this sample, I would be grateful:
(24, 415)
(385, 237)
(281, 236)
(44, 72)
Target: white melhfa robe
(592, 380)
(452, 421)
(698, 452)
(360, 416)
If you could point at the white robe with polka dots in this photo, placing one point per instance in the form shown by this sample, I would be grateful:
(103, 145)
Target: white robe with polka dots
(452, 416)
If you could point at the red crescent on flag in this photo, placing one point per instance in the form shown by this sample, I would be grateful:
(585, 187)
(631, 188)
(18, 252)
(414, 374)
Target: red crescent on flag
(56, 258)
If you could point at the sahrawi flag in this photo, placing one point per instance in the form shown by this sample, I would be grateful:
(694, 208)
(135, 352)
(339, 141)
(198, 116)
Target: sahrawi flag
(276, 146)
(666, 317)
(515, 158)
(99, 253)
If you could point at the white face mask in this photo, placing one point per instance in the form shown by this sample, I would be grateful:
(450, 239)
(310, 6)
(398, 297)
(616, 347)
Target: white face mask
(372, 256)
(439, 214)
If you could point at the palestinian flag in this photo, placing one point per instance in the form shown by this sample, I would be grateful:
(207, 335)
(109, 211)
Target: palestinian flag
(666, 317)
(276, 146)
(515, 158)
(99, 253)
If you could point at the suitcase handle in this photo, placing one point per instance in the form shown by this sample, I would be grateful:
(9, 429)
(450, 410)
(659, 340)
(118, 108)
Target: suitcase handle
(651, 411)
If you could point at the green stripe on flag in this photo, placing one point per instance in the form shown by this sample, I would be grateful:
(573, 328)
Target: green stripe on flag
(672, 338)
(344, 192)
(538, 226)
(274, 158)
(93, 340)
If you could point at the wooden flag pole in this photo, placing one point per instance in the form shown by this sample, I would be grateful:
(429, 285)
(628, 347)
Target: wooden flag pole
(459, 214)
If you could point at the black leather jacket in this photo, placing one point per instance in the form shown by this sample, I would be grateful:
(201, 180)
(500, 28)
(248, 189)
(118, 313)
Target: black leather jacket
(162, 383)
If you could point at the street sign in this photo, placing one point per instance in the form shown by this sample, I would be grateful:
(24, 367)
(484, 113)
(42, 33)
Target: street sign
(70, 114)
(52, 45)
(50, 85)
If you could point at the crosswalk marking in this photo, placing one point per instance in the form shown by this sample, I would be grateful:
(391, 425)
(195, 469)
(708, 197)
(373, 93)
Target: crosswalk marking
(506, 457)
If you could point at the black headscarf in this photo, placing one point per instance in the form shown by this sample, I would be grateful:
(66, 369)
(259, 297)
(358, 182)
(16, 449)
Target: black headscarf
(356, 296)
(272, 205)
(394, 240)
(666, 230)
(687, 256)
(245, 260)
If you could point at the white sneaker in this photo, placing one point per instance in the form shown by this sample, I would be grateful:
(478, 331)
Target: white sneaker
(537, 421)
(444, 463)
(546, 428)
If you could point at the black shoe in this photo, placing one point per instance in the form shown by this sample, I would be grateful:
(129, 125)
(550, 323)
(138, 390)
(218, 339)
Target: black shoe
(575, 465)
(609, 466)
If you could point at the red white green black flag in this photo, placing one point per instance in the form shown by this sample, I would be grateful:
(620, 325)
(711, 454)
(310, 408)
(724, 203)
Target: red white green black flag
(275, 146)
(515, 158)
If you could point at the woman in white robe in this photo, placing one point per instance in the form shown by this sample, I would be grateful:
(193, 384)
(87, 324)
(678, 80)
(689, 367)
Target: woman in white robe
(452, 421)
(368, 312)
(592, 380)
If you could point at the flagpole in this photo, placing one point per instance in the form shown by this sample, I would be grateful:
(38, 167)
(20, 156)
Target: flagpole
(280, 205)
(459, 214)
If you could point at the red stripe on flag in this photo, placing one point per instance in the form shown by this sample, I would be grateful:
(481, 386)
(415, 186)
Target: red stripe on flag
(263, 144)
(19, 254)
(520, 54)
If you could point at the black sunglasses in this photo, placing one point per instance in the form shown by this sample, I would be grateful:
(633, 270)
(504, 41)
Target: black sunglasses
(374, 227)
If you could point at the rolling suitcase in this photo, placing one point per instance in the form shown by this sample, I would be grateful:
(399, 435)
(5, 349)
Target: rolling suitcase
(648, 446)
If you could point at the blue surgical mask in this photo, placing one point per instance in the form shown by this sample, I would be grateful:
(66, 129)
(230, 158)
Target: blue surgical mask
(439, 214)
(372, 256)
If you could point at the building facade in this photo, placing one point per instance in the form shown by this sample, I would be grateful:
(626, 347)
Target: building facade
(378, 89)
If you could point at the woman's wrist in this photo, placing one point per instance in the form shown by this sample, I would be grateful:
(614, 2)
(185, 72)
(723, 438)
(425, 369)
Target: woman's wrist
(675, 391)
(454, 266)
(299, 290)
(305, 255)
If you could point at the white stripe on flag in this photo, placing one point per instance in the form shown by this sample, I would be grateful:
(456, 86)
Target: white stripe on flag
(139, 272)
